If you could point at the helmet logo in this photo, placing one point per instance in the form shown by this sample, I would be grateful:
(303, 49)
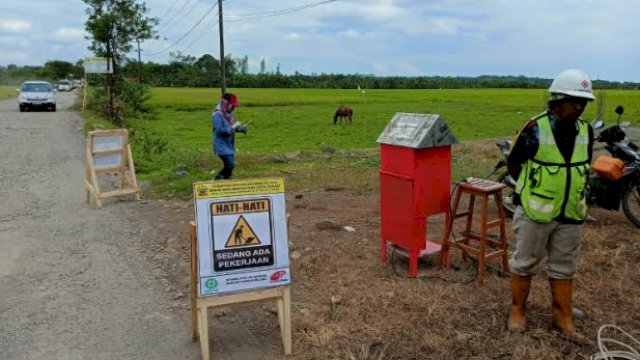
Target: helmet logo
(585, 84)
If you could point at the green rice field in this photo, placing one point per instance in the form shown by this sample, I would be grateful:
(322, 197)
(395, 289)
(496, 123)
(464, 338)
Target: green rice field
(286, 120)
(291, 131)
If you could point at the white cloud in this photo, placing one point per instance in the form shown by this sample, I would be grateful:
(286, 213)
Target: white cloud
(294, 36)
(14, 26)
(351, 34)
(381, 10)
(380, 68)
(69, 34)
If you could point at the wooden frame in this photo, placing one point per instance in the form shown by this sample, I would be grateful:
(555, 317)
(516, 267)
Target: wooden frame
(483, 189)
(199, 305)
(121, 161)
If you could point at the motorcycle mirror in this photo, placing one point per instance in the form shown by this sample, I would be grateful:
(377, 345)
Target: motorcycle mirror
(619, 110)
(598, 124)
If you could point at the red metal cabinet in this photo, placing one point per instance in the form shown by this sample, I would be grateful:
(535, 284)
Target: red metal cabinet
(415, 182)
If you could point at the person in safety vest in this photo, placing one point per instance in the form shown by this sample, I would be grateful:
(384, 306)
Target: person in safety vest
(224, 128)
(550, 159)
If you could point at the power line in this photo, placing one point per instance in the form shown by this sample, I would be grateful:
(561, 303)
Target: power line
(238, 18)
(188, 12)
(174, 15)
(267, 14)
(188, 32)
(212, 21)
(161, 19)
(205, 27)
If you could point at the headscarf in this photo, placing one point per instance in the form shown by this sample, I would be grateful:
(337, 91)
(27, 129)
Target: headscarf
(225, 104)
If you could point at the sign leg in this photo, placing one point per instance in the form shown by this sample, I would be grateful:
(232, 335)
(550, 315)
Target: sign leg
(284, 316)
(194, 281)
(203, 326)
(132, 171)
(194, 320)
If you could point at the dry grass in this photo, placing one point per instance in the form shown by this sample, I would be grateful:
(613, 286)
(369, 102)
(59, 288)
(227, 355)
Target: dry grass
(349, 305)
(384, 315)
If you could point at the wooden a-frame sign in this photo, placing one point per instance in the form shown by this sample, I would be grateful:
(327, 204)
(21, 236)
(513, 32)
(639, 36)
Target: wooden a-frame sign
(108, 151)
(199, 305)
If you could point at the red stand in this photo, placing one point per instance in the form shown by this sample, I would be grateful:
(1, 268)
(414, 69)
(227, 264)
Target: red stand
(414, 184)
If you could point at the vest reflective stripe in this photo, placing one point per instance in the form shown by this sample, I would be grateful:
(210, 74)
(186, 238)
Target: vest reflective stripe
(548, 185)
(547, 140)
(540, 207)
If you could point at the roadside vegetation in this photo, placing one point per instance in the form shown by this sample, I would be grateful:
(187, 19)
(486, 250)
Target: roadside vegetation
(291, 132)
(7, 92)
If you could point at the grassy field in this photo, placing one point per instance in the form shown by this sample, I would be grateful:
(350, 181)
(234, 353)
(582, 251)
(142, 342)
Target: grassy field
(291, 132)
(7, 92)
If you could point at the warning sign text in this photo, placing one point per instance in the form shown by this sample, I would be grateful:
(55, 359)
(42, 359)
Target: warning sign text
(239, 207)
(231, 259)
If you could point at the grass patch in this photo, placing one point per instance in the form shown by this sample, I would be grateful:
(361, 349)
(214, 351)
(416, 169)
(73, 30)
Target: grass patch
(95, 121)
(7, 92)
(301, 171)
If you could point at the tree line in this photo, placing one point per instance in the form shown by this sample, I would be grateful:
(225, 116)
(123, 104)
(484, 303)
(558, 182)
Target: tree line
(189, 71)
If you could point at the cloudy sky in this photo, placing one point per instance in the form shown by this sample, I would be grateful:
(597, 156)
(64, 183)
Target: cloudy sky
(382, 37)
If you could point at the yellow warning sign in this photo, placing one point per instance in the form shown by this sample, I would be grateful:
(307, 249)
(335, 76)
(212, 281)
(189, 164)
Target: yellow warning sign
(240, 207)
(242, 234)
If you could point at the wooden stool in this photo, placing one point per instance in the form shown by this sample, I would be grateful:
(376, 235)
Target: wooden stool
(483, 189)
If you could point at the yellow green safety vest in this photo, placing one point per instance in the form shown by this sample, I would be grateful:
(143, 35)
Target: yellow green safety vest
(548, 185)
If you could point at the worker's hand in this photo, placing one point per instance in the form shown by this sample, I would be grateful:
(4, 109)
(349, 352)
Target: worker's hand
(241, 129)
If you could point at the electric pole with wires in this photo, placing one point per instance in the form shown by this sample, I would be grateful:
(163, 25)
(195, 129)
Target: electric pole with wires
(223, 80)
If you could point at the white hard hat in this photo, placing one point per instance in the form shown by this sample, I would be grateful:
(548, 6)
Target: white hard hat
(573, 83)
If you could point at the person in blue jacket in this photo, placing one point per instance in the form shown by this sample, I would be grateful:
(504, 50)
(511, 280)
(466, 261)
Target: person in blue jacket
(224, 128)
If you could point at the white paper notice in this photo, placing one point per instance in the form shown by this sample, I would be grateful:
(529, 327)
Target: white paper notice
(106, 143)
(107, 161)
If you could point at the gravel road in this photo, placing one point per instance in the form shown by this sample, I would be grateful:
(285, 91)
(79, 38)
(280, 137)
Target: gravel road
(72, 281)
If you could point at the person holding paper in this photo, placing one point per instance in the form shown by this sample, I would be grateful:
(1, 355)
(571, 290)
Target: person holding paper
(224, 128)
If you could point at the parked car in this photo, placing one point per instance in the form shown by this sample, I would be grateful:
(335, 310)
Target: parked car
(37, 94)
(64, 85)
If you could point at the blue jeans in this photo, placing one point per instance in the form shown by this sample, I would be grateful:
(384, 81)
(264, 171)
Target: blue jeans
(229, 163)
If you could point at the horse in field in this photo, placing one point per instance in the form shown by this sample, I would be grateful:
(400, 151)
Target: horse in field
(343, 112)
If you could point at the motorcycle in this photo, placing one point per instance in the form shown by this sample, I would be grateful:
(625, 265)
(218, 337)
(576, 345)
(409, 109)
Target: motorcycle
(504, 177)
(625, 191)
(599, 191)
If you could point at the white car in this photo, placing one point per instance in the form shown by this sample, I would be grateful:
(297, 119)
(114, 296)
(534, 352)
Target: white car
(36, 94)
(64, 85)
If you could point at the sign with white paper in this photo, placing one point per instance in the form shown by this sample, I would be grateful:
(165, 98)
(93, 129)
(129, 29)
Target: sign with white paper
(106, 143)
(98, 65)
(107, 161)
(242, 235)
(113, 145)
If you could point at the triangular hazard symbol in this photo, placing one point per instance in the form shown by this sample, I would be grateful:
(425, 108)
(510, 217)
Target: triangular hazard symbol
(242, 234)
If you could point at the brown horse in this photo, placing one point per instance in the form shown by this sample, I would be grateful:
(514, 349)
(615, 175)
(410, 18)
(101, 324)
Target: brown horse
(343, 112)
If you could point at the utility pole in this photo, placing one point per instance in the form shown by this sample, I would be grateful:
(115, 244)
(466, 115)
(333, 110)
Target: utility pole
(223, 85)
